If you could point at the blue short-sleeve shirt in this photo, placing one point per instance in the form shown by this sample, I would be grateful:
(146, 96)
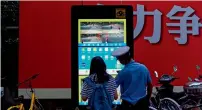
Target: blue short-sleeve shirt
(133, 80)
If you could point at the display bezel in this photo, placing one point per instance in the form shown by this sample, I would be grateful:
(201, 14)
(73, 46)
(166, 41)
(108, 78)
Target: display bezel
(93, 12)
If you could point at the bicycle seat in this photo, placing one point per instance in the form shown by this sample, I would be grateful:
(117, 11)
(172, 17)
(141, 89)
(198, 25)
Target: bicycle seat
(165, 78)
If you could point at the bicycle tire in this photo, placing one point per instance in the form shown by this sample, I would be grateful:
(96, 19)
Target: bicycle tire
(169, 104)
(152, 108)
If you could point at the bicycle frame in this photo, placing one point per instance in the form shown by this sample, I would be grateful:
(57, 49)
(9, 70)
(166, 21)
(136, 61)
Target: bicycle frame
(20, 106)
(32, 101)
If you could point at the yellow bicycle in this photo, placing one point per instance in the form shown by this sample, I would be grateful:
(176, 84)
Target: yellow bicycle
(21, 105)
(33, 105)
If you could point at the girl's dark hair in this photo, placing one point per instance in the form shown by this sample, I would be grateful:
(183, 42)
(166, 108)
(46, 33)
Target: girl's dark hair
(98, 67)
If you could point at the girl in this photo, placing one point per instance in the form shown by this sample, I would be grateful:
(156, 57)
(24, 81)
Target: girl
(99, 75)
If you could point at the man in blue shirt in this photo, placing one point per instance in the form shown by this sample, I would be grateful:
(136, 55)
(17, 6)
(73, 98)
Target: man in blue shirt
(134, 80)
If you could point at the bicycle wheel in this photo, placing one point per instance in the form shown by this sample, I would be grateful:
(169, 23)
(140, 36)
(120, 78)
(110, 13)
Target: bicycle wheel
(169, 104)
(152, 108)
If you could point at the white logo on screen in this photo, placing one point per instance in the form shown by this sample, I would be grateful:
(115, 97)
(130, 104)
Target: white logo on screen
(112, 49)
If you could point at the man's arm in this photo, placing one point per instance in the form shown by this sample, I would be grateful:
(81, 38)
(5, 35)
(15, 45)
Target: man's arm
(149, 84)
(118, 79)
(149, 89)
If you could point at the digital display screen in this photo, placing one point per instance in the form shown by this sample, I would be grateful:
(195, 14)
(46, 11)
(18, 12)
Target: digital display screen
(99, 37)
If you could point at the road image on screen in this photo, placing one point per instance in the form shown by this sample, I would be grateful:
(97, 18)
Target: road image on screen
(99, 37)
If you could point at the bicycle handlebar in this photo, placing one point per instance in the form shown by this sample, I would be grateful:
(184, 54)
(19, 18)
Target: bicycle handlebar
(29, 79)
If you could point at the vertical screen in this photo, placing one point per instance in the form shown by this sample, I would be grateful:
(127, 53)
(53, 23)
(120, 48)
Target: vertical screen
(99, 37)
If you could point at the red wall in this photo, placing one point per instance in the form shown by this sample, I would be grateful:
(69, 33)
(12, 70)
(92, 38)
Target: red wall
(45, 43)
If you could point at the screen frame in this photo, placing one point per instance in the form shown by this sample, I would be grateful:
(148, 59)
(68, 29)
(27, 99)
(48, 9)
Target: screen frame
(94, 12)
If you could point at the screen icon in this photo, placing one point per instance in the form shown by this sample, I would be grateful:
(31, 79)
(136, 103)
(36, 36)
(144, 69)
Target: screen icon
(94, 49)
(106, 57)
(83, 57)
(88, 57)
(100, 49)
(89, 49)
(106, 49)
(112, 49)
(112, 57)
(83, 64)
(83, 49)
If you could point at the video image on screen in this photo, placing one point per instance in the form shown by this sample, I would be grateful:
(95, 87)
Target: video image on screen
(102, 32)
